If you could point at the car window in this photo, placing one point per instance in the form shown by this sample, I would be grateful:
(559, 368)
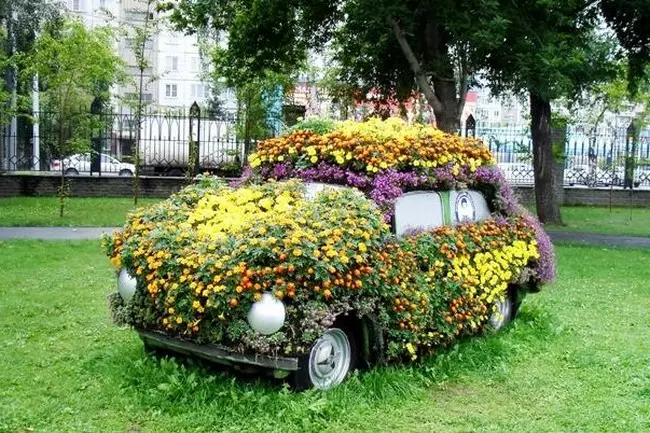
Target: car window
(468, 205)
(418, 210)
(314, 188)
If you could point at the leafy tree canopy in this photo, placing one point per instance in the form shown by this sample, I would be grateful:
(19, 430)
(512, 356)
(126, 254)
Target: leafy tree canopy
(394, 47)
(630, 19)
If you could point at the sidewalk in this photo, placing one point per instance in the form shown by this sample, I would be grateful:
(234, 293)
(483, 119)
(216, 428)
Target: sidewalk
(55, 233)
(599, 239)
(80, 233)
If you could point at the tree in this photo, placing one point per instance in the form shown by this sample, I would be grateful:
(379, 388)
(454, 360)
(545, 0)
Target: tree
(630, 19)
(139, 32)
(550, 49)
(20, 21)
(395, 48)
(75, 65)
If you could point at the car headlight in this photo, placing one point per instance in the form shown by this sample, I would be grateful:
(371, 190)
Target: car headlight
(126, 285)
(267, 315)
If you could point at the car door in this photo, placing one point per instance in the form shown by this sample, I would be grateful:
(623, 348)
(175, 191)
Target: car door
(109, 164)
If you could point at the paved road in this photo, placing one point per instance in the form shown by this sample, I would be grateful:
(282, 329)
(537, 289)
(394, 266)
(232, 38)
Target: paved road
(598, 239)
(54, 233)
(78, 233)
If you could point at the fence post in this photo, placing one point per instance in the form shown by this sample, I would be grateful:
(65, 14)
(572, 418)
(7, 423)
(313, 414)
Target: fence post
(194, 163)
(630, 153)
(96, 139)
(470, 126)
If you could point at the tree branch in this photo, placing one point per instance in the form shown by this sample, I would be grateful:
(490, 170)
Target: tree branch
(420, 77)
(464, 83)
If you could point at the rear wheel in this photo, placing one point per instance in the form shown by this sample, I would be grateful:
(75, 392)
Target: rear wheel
(329, 361)
(126, 172)
(501, 314)
(72, 172)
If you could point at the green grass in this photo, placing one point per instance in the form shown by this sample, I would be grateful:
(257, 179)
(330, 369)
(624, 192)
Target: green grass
(79, 212)
(575, 360)
(618, 221)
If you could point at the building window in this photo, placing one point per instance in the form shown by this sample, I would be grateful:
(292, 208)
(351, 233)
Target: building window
(172, 63)
(102, 3)
(196, 64)
(198, 91)
(171, 90)
(76, 5)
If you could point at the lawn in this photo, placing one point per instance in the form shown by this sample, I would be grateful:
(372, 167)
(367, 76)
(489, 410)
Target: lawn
(80, 212)
(575, 360)
(618, 221)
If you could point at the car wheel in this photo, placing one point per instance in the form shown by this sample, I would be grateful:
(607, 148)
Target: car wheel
(175, 172)
(126, 173)
(503, 313)
(72, 172)
(331, 358)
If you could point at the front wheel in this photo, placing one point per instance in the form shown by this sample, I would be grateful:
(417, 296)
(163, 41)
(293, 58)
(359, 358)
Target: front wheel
(331, 358)
(126, 173)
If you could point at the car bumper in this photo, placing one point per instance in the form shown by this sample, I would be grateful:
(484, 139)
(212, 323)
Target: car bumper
(215, 353)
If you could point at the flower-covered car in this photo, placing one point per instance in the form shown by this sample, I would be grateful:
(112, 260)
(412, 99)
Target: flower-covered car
(360, 244)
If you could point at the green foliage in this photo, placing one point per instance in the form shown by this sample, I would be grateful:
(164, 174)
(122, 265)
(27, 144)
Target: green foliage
(74, 65)
(316, 124)
(630, 19)
(448, 45)
(551, 48)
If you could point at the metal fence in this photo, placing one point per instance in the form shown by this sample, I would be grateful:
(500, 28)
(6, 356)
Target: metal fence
(173, 142)
(163, 142)
(593, 157)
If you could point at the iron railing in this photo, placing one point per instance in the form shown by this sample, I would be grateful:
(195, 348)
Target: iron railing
(173, 142)
(163, 142)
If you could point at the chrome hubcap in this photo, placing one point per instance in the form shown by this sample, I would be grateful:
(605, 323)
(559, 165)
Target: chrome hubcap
(329, 359)
(501, 313)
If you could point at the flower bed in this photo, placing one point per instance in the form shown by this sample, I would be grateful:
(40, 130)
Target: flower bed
(203, 257)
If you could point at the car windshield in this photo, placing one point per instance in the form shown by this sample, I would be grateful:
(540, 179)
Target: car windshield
(314, 188)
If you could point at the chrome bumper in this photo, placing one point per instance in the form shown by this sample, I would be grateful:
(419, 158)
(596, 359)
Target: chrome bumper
(215, 353)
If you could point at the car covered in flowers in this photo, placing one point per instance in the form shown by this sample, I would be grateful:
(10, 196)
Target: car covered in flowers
(340, 248)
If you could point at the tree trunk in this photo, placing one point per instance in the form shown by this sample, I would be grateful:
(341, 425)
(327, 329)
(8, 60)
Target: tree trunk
(442, 95)
(447, 116)
(546, 198)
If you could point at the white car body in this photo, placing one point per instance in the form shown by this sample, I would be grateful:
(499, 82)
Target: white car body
(80, 163)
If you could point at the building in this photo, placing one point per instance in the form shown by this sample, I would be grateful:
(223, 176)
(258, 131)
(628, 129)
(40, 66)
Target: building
(174, 72)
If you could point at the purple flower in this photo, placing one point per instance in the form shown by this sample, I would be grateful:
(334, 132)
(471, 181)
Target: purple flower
(386, 186)
(545, 267)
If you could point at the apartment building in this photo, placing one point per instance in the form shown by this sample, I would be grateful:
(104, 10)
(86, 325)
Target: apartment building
(174, 74)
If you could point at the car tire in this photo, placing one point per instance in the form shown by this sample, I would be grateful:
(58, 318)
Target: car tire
(329, 361)
(175, 172)
(72, 172)
(126, 173)
(504, 312)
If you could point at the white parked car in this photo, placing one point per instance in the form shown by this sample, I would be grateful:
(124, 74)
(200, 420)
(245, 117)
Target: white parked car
(80, 163)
